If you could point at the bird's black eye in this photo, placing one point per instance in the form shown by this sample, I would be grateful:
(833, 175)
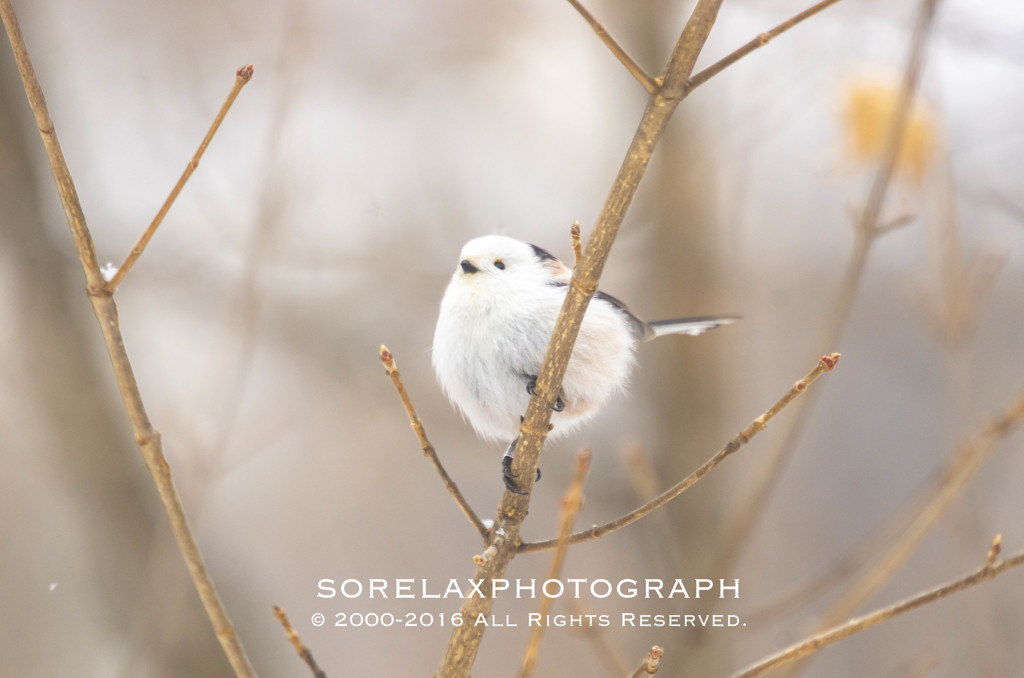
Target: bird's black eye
(499, 264)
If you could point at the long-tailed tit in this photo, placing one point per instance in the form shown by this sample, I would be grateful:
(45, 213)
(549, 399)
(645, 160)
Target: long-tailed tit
(496, 320)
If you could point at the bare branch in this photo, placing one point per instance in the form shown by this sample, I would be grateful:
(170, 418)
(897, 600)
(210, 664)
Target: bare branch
(146, 436)
(826, 364)
(758, 42)
(650, 664)
(465, 640)
(649, 83)
(242, 76)
(296, 641)
(571, 505)
(814, 643)
(428, 449)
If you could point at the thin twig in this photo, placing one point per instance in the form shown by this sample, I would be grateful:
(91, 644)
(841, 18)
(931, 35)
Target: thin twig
(650, 84)
(866, 233)
(428, 449)
(464, 642)
(242, 76)
(146, 436)
(577, 246)
(296, 641)
(814, 643)
(758, 42)
(650, 664)
(826, 364)
(571, 505)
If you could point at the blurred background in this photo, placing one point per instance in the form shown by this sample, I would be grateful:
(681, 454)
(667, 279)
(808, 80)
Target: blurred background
(326, 219)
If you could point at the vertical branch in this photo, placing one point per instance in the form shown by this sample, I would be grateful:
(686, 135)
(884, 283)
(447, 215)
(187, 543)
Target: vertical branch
(146, 436)
(465, 640)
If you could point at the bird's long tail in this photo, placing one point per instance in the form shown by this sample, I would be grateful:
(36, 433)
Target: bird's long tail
(691, 326)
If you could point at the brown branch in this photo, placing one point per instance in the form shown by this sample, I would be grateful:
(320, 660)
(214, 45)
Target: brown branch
(650, 84)
(571, 505)
(867, 231)
(242, 76)
(296, 641)
(827, 363)
(650, 664)
(147, 437)
(758, 42)
(465, 640)
(814, 643)
(428, 449)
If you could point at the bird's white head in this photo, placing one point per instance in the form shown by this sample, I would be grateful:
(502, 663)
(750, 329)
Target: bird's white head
(499, 260)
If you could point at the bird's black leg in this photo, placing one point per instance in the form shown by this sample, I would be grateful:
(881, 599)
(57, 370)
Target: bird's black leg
(506, 469)
(531, 387)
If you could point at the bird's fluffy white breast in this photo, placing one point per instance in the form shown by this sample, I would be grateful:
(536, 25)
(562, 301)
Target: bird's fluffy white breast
(493, 331)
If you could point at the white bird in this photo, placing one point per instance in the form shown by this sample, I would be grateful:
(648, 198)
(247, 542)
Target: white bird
(496, 320)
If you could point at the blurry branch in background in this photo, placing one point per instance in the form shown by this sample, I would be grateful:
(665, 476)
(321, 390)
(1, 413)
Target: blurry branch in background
(649, 83)
(571, 505)
(428, 449)
(902, 531)
(760, 41)
(838, 572)
(962, 286)
(992, 568)
(242, 77)
(826, 364)
(465, 640)
(650, 664)
(868, 227)
(296, 641)
(147, 437)
(609, 658)
(962, 468)
(646, 482)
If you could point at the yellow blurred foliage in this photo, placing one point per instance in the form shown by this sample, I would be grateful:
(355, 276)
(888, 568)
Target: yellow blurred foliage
(869, 108)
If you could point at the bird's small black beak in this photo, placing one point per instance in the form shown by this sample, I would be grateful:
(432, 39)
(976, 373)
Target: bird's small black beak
(468, 267)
